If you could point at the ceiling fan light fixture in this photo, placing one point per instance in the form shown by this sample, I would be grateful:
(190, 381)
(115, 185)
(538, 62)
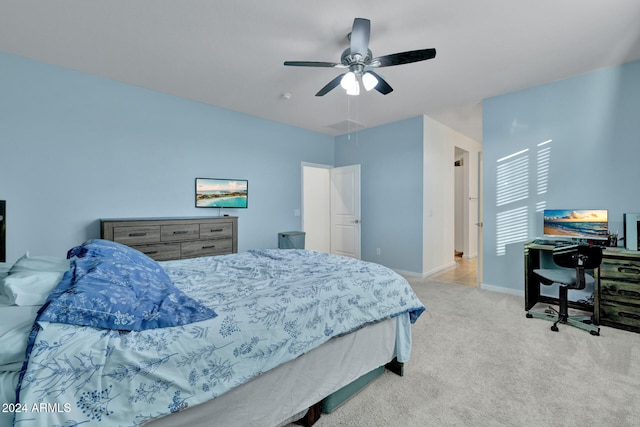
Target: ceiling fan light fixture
(354, 90)
(369, 81)
(350, 83)
(348, 80)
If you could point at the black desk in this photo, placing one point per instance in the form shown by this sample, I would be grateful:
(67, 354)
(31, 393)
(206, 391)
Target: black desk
(537, 255)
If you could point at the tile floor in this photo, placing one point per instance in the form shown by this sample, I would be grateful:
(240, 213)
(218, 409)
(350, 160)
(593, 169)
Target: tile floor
(464, 273)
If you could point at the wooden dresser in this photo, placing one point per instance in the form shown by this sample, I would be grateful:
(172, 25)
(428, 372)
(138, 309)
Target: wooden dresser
(618, 296)
(174, 238)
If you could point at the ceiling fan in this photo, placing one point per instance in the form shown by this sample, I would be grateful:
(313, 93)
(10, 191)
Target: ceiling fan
(360, 62)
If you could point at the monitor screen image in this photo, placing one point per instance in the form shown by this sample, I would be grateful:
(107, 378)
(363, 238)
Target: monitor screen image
(221, 193)
(581, 223)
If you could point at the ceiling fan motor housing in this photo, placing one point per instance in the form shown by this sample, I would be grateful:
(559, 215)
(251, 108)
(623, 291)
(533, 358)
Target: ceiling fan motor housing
(356, 63)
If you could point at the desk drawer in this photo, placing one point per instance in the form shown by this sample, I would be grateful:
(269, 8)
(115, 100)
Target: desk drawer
(206, 248)
(137, 234)
(179, 232)
(160, 251)
(619, 268)
(614, 290)
(620, 315)
(223, 230)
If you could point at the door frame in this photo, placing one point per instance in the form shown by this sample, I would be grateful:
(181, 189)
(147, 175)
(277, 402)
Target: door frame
(307, 221)
(480, 223)
(310, 221)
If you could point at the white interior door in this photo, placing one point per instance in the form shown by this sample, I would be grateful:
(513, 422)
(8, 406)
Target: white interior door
(345, 211)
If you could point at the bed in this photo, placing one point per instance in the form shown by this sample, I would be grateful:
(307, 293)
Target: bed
(254, 338)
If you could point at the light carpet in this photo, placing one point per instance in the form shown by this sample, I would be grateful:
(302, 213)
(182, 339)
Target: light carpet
(478, 361)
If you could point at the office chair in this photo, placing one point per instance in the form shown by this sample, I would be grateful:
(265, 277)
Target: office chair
(575, 259)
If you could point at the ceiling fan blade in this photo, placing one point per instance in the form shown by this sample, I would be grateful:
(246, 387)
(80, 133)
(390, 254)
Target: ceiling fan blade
(311, 64)
(383, 87)
(331, 85)
(360, 36)
(403, 58)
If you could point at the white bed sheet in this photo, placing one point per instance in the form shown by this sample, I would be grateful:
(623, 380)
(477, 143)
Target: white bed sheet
(8, 383)
(274, 397)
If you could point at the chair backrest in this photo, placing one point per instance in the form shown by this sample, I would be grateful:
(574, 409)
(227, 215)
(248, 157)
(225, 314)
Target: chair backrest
(578, 257)
(574, 256)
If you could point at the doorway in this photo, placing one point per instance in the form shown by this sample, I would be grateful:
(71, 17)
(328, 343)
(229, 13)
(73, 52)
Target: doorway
(466, 212)
(331, 209)
(461, 195)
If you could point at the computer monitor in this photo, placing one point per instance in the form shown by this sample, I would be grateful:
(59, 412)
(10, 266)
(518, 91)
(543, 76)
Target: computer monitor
(590, 224)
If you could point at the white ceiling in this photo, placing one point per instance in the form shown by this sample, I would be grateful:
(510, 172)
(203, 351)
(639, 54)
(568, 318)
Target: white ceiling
(230, 53)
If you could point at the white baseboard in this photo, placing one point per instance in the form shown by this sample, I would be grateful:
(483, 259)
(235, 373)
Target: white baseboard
(408, 273)
(502, 289)
(426, 273)
(439, 269)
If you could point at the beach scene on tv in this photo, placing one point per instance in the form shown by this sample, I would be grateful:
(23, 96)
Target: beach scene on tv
(221, 193)
(586, 223)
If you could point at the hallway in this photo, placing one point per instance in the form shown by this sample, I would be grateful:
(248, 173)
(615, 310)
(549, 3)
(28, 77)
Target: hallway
(464, 273)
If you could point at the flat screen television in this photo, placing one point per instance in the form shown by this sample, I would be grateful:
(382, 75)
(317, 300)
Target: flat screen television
(221, 193)
(592, 224)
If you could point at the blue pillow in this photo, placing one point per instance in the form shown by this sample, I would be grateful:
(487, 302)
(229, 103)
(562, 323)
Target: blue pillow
(108, 249)
(113, 286)
(99, 248)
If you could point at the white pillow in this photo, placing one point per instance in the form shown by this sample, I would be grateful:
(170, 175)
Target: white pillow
(29, 287)
(40, 263)
(31, 279)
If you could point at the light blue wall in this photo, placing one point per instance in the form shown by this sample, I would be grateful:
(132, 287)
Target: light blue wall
(391, 190)
(593, 122)
(75, 148)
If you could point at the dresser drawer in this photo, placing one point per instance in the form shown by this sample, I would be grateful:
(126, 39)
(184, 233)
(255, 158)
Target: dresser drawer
(179, 232)
(223, 230)
(206, 248)
(136, 234)
(174, 238)
(620, 268)
(620, 315)
(614, 290)
(160, 251)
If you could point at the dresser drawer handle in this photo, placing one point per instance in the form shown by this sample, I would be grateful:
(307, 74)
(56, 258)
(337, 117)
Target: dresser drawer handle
(216, 230)
(180, 232)
(629, 315)
(629, 270)
(150, 252)
(137, 234)
(627, 293)
(209, 247)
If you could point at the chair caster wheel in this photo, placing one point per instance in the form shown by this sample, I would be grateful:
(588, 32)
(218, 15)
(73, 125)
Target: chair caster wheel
(596, 333)
(529, 316)
(554, 328)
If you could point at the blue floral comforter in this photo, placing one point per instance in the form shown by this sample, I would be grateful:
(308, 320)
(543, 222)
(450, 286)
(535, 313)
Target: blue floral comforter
(272, 306)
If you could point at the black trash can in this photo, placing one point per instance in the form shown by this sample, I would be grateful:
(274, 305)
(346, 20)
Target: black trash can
(291, 240)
